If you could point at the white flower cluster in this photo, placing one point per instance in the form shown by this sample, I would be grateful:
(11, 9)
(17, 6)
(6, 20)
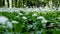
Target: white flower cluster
(24, 17)
(43, 21)
(42, 18)
(14, 22)
(27, 9)
(34, 14)
(4, 21)
(20, 14)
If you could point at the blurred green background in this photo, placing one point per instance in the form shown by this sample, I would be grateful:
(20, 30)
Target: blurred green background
(29, 3)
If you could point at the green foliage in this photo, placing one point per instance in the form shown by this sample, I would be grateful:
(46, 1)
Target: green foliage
(26, 20)
(23, 3)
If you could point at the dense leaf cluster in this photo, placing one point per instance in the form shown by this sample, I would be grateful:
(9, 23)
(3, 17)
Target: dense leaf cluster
(32, 22)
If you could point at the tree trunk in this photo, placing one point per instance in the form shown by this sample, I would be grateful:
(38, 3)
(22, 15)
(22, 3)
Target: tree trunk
(1, 3)
(55, 3)
(15, 3)
(8, 3)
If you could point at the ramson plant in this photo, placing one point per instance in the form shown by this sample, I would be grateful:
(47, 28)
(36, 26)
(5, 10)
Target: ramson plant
(32, 22)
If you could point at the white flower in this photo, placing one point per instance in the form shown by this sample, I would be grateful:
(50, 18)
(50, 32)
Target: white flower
(20, 14)
(9, 25)
(24, 17)
(40, 17)
(34, 14)
(36, 9)
(52, 23)
(28, 10)
(44, 21)
(14, 22)
(3, 20)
